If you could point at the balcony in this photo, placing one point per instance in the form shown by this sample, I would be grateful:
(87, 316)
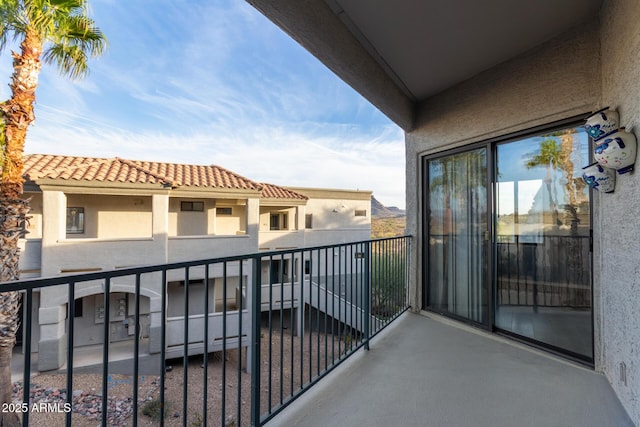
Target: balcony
(281, 239)
(424, 370)
(184, 248)
(281, 338)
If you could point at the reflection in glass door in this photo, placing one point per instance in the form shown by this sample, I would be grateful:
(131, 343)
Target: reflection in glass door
(457, 249)
(542, 234)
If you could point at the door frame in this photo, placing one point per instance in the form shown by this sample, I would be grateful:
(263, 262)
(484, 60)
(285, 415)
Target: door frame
(488, 325)
(491, 146)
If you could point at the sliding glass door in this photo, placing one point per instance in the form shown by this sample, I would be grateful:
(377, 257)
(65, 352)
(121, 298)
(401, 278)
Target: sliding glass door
(517, 258)
(457, 250)
(543, 280)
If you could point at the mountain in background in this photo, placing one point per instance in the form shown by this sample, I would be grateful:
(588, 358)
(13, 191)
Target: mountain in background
(378, 210)
(386, 221)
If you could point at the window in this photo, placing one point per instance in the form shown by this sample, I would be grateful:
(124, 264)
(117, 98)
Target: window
(361, 212)
(77, 308)
(274, 222)
(75, 220)
(224, 211)
(279, 271)
(192, 206)
(308, 221)
(307, 266)
(193, 282)
(279, 221)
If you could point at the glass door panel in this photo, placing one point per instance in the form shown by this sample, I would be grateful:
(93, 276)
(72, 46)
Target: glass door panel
(457, 248)
(542, 233)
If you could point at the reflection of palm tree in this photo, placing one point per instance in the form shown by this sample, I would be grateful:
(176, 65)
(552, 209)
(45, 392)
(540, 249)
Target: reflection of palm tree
(553, 155)
(574, 188)
(548, 156)
(555, 152)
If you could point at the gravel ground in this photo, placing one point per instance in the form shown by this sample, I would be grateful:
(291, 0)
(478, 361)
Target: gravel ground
(235, 390)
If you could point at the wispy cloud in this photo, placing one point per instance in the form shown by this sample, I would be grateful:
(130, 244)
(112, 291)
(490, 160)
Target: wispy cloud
(214, 82)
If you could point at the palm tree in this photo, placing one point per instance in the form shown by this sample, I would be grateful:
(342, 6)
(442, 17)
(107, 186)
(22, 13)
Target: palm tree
(548, 156)
(554, 155)
(57, 32)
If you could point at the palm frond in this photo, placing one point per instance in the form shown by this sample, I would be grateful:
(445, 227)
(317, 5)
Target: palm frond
(71, 60)
(81, 31)
(8, 9)
(67, 33)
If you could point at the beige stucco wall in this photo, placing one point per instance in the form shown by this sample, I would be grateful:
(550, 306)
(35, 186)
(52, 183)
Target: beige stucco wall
(31, 245)
(616, 226)
(34, 225)
(207, 222)
(116, 234)
(193, 247)
(333, 216)
(189, 223)
(334, 221)
(113, 217)
(229, 225)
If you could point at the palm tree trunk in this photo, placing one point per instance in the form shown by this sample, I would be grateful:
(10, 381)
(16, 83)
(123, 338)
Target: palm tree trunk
(17, 115)
(12, 220)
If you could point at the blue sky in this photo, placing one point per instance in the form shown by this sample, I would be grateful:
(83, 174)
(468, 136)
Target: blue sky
(214, 82)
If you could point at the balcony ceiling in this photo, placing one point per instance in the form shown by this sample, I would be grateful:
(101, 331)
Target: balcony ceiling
(422, 46)
(428, 46)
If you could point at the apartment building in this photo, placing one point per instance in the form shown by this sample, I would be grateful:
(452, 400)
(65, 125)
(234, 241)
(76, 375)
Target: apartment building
(96, 214)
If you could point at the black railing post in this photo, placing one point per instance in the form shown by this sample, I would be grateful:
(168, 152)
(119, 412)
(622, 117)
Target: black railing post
(105, 349)
(205, 342)
(367, 294)
(136, 349)
(224, 338)
(26, 381)
(163, 344)
(70, 335)
(407, 279)
(185, 355)
(240, 334)
(255, 341)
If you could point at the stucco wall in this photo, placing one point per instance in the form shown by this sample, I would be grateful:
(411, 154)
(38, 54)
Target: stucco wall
(233, 224)
(34, 226)
(187, 223)
(616, 227)
(334, 220)
(113, 217)
(339, 214)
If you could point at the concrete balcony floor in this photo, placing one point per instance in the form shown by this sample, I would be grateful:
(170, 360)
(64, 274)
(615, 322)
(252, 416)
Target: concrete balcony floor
(425, 371)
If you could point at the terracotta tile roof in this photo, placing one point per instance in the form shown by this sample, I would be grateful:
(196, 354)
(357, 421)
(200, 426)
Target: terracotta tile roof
(133, 171)
(270, 191)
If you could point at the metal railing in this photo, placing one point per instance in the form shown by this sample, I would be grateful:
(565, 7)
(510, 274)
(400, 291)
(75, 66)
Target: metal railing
(544, 271)
(223, 341)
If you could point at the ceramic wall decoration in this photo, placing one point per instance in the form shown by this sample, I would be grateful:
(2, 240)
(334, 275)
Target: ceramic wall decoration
(602, 123)
(617, 151)
(599, 178)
